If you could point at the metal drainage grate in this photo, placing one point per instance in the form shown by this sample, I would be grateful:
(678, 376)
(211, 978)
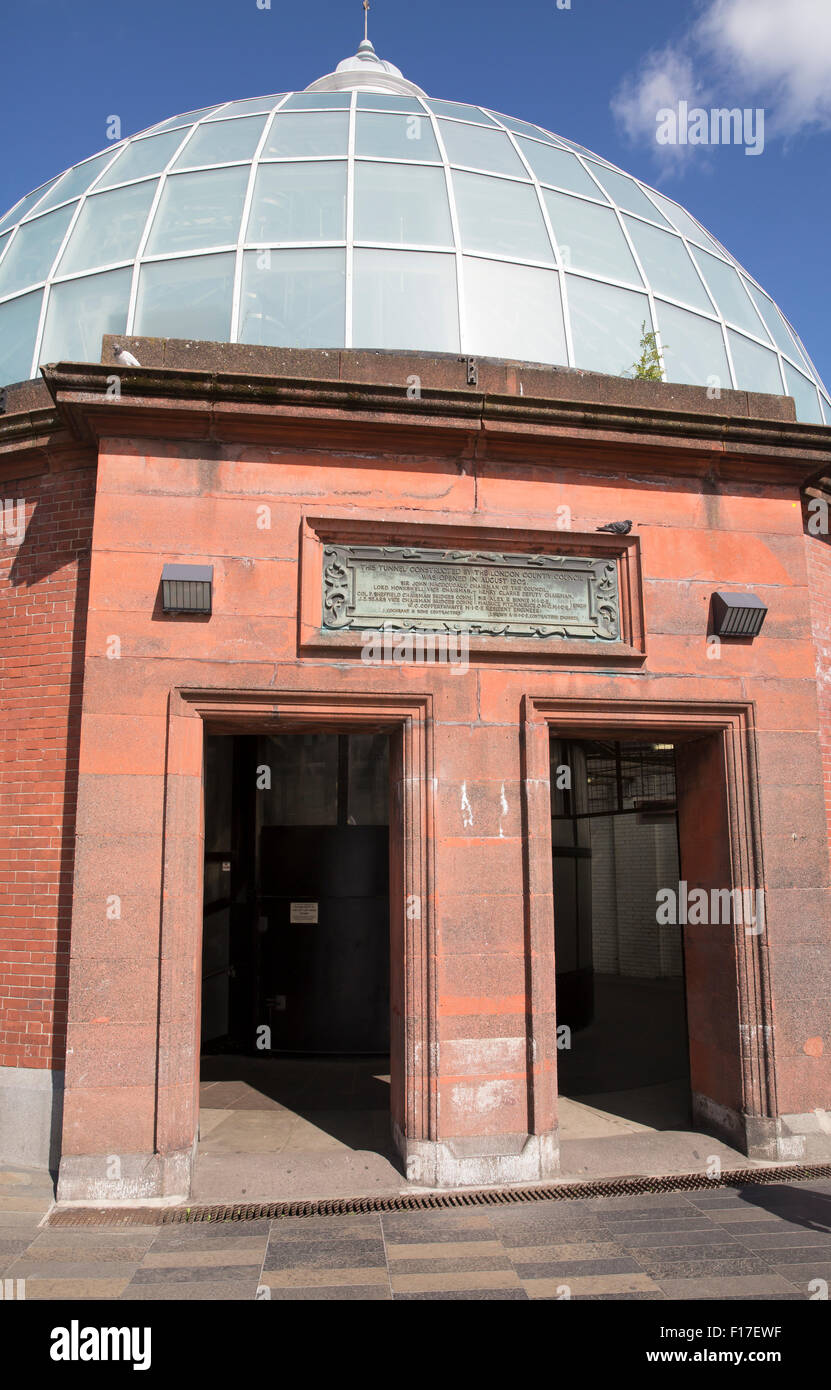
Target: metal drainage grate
(430, 1201)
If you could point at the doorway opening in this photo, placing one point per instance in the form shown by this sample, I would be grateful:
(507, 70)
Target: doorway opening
(295, 1031)
(623, 1049)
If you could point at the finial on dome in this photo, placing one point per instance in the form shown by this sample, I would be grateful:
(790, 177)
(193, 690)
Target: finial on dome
(365, 71)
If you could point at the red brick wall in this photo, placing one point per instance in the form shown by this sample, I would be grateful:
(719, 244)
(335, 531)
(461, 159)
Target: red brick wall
(819, 581)
(43, 595)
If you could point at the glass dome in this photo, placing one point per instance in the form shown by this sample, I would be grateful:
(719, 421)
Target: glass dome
(369, 218)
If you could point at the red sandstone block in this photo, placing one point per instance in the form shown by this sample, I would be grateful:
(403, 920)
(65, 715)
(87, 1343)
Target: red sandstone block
(786, 706)
(479, 866)
(109, 1120)
(692, 655)
(189, 527)
(479, 809)
(132, 936)
(489, 922)
(481, 752)
(123, 744)
(111, 1054)
(800, 862)
(220, 638)
(111, 805)
(742, 558)
(492, 1025)
(800, 1079)
(117, 990)
(499, 979)
(482, 1106)
(788, 759)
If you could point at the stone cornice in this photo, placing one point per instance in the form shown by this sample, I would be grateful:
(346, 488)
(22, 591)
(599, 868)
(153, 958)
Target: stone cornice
(196, 405)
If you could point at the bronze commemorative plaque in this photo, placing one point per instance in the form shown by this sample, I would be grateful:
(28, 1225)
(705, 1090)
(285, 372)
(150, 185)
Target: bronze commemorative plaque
(409, 589)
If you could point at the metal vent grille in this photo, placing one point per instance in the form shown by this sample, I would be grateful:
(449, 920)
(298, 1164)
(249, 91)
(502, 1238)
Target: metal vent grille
(738, 615)
(432, 1201)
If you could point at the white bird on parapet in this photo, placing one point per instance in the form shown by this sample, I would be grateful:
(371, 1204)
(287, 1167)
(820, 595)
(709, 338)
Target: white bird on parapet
(124, 358)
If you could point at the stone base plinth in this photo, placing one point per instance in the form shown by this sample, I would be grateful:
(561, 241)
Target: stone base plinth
(31, 1110)
(104, 1178)
(480, 1162)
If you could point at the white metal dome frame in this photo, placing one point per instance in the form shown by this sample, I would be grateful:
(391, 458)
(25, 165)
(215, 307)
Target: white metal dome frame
(546, 253)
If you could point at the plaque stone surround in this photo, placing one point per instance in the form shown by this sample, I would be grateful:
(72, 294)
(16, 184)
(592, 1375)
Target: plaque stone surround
(483, 593)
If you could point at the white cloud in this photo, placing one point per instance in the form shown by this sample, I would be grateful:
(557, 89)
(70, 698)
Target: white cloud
(665, 78)
(778, 49)
(738, 53)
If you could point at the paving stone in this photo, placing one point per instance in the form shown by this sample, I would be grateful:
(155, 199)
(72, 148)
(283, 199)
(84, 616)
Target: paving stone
(326, 1228)
(93, 1239)
(361, 1293)
(804, 1273)
(466, 1295)
(302, 1277)
(726, 1286)
(441, 1281)
(187, 1246)
(223, 1274)
(646, 1225)
(445, 1250)
(700, 1268)
(411, 1228)
(577, 1284)
(743, 1227)
(85, 1254)
(653, 1240)
(450, 1266)
(217, 1230)
(204, 1291)
(647, 1213)
(562, 1269)
(793, 1297)
(23, 1205)
(716, 1201)
(19, 1220)
(203, 1259)
(80, 1289)
(798, 1255)
(320, 1255)
(716, 1252)
(523, 1227)
(9, 1248)
(799, 1239)
(653, 1295)
(528, 1254)
(27, 1268)
(636, 1201)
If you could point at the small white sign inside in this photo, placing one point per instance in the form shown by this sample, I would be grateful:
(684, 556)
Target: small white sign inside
(303, 912)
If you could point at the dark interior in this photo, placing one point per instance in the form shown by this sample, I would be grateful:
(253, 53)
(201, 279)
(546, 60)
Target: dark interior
(296, 903)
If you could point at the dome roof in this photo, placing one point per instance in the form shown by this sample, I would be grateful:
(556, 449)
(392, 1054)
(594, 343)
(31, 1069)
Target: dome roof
(360, 213)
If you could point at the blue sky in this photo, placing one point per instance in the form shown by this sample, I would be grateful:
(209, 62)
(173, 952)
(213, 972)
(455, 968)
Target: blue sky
(594, 72)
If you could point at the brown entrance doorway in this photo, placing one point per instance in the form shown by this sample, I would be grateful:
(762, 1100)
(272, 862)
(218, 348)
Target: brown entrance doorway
(623, 1052)
(296, 946)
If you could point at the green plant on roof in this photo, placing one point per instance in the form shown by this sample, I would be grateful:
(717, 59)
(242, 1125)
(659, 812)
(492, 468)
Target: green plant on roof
(648, 366)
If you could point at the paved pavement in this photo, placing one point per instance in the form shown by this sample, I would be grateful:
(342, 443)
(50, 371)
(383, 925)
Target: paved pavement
(760, 1242)
(267, 1125)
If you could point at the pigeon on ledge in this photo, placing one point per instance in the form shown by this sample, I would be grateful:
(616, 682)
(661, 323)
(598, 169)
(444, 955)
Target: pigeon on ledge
(124, 358)
(617, 528)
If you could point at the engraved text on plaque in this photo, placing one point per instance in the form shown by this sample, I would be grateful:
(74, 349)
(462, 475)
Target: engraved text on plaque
(412, 589)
